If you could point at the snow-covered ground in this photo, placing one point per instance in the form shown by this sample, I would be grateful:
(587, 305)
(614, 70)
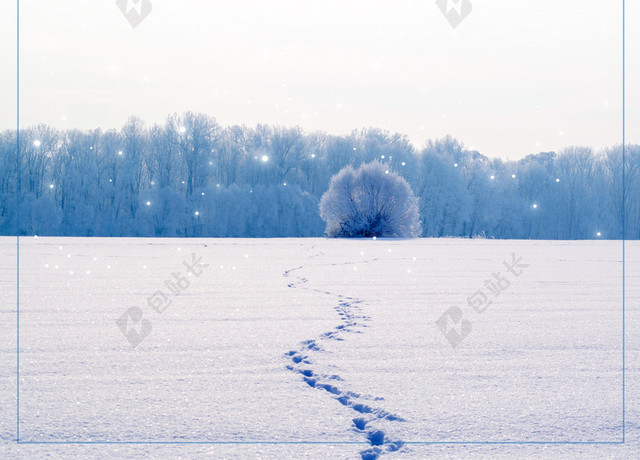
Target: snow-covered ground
(315, 341)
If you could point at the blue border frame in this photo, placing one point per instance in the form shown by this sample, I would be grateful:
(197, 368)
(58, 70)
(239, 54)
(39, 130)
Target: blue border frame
(18, 185)
(18, 171)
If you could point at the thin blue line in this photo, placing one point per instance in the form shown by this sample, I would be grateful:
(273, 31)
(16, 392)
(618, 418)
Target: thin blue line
(18, 172)
(18, 185)
(623, 225)
(318, 442)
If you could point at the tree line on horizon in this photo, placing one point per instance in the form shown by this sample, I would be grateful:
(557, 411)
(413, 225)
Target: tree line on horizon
(191, 177)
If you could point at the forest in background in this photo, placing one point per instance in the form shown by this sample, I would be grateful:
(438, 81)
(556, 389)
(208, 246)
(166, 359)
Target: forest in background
(191, 177)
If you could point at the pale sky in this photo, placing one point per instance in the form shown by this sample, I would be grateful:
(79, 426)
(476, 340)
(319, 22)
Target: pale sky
(514, 78)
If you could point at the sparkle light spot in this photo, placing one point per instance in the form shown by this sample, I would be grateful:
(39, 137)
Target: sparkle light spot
(36, 143)
(264, 158)
(182, 130)
(148, 203)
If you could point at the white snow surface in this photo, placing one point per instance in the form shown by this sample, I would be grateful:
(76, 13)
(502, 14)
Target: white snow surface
(330, 345)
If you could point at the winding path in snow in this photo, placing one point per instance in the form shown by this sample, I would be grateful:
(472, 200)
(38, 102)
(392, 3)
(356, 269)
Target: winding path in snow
(352, 320)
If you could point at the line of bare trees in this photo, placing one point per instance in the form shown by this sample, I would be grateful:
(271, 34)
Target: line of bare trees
(192, 177)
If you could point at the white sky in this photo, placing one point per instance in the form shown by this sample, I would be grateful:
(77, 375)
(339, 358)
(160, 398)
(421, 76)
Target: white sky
(516, 77)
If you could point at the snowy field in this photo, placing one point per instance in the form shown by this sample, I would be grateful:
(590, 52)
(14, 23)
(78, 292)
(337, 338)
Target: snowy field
(315, 341)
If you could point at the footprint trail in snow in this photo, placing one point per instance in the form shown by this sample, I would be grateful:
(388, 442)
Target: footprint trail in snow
(352, 320)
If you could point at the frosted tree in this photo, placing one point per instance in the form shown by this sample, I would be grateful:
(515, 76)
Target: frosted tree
(192, 136)
(370, 201)
(614, 207)
(8, 182)
(444, 200)
(575, 193)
